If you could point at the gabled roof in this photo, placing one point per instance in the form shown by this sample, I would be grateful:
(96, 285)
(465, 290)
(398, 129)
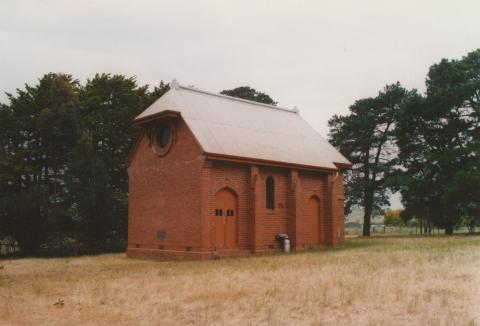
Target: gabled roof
(229, 127)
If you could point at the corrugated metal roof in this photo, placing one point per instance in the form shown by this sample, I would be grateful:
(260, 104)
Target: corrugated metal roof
(229, 126)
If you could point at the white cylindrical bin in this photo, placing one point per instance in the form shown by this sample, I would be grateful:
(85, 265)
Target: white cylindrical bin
(286, 245)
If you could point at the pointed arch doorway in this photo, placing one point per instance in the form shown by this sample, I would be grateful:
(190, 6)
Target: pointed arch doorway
(225, 220)
(314, 220)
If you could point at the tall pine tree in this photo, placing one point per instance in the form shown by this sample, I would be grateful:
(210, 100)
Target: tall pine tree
(366, 137)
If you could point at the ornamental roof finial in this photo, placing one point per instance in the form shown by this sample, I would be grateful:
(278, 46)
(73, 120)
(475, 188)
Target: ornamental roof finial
(174, 84)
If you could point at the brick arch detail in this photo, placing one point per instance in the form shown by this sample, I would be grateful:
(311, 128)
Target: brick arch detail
(315, 194)
(229, 231)
(319, 237)
(227, 184)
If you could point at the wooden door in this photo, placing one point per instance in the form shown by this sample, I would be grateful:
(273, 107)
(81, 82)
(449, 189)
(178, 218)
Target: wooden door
(231, 226)
(219, 233)
(226, 219)
(314, 220)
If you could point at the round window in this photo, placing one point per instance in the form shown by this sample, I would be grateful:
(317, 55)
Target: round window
(163, 136)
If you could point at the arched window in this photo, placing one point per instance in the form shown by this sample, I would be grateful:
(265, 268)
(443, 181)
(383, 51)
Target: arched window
(270, 193)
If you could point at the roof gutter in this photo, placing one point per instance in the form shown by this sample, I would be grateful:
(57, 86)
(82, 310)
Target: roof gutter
(240, 159)
(343, 165)
(163, 114)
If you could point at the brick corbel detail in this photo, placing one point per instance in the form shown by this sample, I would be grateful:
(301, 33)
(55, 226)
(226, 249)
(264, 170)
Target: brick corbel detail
(335, 233)
(255, 222)
(207, 198)
(294, 221)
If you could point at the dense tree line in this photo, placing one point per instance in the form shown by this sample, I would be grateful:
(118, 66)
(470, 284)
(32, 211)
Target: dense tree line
(426, 146)
(63, 150)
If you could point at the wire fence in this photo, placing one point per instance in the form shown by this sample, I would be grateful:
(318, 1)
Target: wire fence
(399, 230)
(64, 247)
(8, 247)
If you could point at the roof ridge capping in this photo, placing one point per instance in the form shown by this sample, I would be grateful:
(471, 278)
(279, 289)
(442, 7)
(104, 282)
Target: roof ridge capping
(174, 85)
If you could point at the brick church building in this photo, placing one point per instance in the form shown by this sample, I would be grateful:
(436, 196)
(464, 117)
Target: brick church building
(212, 175)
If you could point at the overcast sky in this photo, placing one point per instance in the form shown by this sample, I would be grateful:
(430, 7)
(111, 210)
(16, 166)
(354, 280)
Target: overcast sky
(320, 56)
(317, 55)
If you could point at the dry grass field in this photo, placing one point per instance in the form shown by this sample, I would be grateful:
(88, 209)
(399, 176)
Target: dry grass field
(380, 281)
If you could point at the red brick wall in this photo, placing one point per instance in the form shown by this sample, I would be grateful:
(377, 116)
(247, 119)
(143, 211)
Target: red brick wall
(233, 176)
(313, 184)
(176, 193)
(164, 194)
(338, 213)
(236, 177)
(273, 221)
